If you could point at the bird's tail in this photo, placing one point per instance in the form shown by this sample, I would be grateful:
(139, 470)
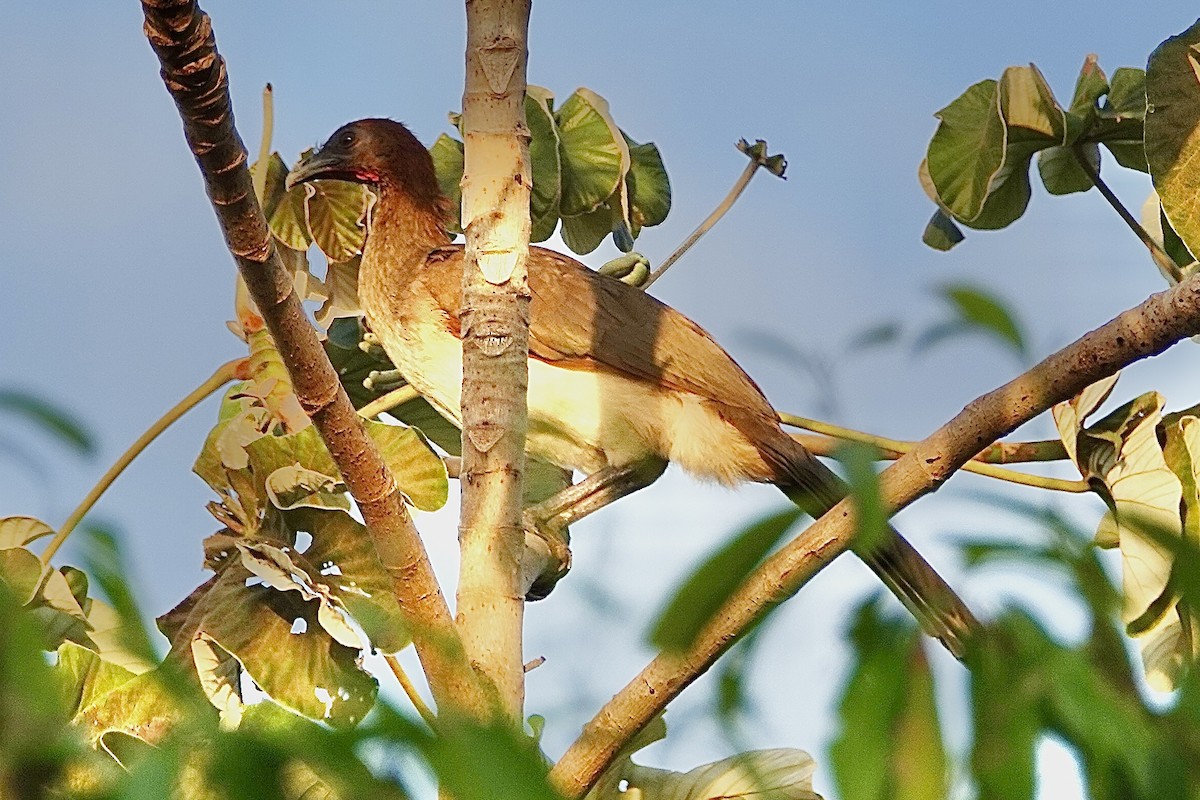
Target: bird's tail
(816, 489)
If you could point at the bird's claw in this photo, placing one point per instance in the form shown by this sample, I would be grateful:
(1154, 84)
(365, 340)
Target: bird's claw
(547, 553)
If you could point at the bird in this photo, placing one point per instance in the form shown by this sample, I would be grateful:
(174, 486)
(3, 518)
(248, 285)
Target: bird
(619, 382)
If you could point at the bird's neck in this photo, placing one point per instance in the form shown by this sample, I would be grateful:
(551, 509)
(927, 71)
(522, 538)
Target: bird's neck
(402, 232)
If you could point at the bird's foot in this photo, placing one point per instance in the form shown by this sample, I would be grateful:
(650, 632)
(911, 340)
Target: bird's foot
(383, 380)
(547, 553)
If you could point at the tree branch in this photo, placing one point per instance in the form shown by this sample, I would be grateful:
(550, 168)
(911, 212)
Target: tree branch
(194, 73)
(1143, 331)
(495, 335)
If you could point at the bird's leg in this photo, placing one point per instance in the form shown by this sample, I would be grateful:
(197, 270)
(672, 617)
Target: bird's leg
(547, 521)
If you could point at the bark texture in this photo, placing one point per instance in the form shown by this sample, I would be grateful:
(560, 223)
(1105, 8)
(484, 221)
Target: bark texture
(194, 73)
(495, 334)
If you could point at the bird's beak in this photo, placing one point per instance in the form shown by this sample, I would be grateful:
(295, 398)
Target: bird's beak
(317, 165)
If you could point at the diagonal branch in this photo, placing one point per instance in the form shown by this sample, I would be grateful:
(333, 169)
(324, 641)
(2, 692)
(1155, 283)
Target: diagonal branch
(1146, 330)
(194, 73)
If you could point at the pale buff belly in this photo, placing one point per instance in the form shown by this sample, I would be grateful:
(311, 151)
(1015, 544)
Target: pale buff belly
(582, 419)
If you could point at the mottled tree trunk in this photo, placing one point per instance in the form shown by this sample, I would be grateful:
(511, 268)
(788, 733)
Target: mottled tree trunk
(495, 327)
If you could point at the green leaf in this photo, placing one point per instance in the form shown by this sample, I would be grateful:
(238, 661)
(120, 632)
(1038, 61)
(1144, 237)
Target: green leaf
(1122, 117)
(1061, 172)
(1173, 131)
(347, 564)
(649, 186)
(978, 159)
(146, 707)
(22, 571)
(288, 221)
(50, 418)
(1007, 719)
(448, 163)
(583, 233)
(941, 233)
(419, 472)
(106, 564)
(979, 311)
(306, 671)
(85, 677)
(545, 163)
(706, 590)
(859, 463)
(485, 762)
(872, 704)
(595, 158)
(336, 212)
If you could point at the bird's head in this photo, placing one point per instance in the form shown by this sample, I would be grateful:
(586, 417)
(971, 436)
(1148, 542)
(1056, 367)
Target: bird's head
(378, 152)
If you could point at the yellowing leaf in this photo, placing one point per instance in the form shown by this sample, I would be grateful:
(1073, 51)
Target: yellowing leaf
(20, 531)
(780, 774)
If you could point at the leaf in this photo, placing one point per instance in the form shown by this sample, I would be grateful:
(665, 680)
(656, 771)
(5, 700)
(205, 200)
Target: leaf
(583, 233)
(859, 463)
(419, 472)
(50, 418)
(288, 221)
(85, 677)
(978, 159)
(779, 774)
(1122, 117)
(649, 186)
(23, 572)
(890, 744)
(1172, 131)
(106, 564)
(941, 233)
(19, 531)
(484, 762)
(595, 158)
(347, 563)
(448, 163)
(1007, 720)
(306, 671)
(336, 213)
(340, 289)
(545, 163)
(1122, 454)
(706, 590)
(1061, 172)
(144, 707)
(979, 311)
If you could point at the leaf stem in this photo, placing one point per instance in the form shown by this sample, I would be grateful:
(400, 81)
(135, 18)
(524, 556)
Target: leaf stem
(758, 158)
(223, 375)
(1160, 256)
(396, 397)
(894, 448)
(410, 690)
(262, 166)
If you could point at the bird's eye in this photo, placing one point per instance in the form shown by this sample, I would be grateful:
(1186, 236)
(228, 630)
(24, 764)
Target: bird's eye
(346, 139)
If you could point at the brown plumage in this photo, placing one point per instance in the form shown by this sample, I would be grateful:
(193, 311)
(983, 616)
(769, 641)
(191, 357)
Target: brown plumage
(616, 376)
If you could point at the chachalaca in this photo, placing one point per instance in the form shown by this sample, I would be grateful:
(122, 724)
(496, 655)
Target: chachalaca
(619, 383)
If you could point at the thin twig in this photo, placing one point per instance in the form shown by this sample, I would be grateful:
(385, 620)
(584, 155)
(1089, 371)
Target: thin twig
(223, 375)
(1160, 256)
(757, 159)
(894, 448)
(410, 690)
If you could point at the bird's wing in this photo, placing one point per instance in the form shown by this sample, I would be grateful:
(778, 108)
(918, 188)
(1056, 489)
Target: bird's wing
(581, 319)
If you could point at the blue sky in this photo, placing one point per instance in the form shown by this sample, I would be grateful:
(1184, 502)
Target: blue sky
(119, 283)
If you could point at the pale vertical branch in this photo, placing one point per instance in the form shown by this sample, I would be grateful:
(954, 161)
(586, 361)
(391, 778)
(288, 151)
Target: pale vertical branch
(495, 329)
